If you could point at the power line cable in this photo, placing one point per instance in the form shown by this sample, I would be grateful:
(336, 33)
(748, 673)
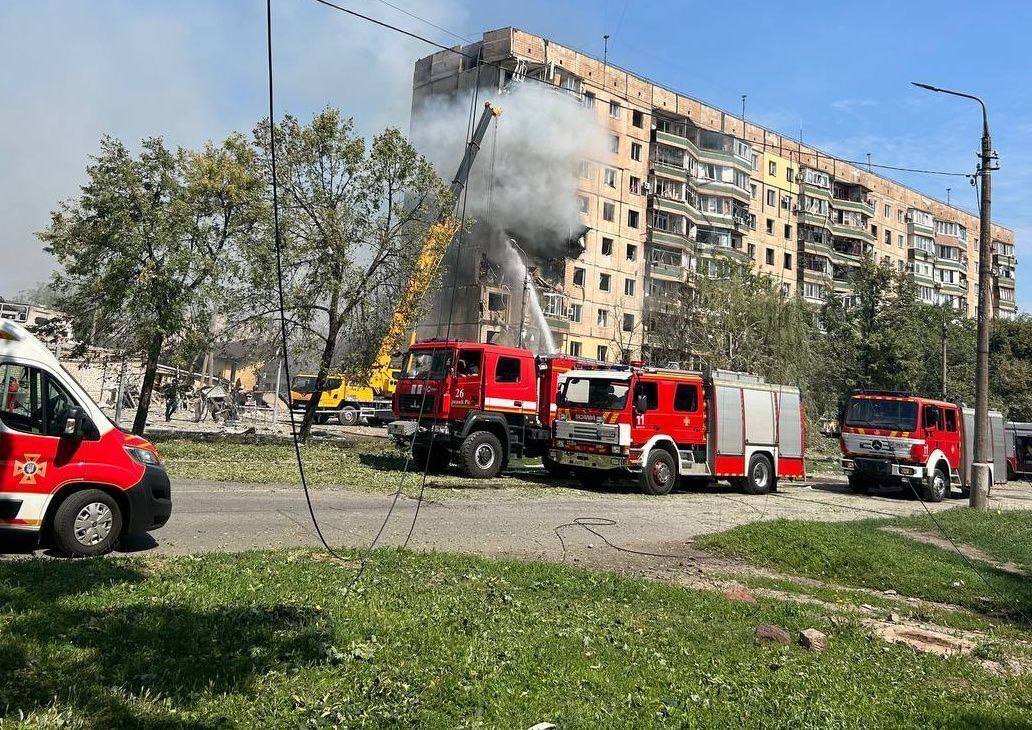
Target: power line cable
(424, 20)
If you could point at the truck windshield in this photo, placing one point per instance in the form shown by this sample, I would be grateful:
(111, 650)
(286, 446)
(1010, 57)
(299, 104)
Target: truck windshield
(894, 415)
(306, 384)
(594, 393)
(427, 364)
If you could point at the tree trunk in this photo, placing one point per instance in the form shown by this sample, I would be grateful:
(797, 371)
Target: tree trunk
(325, 360)
(150, 370)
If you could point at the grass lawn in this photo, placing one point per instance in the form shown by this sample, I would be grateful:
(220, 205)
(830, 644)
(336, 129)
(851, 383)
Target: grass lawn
(861, 554)
(373, 465)
(268, 639)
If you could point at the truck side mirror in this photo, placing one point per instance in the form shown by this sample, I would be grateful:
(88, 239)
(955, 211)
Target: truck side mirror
(75, 423)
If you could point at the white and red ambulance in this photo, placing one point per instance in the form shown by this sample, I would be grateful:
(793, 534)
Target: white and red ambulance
(67, 474)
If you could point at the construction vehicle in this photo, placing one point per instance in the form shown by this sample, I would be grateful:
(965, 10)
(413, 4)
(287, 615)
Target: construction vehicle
(660, 425)
(898, 439)
(68, 475)
(345, 399)
(478, 404)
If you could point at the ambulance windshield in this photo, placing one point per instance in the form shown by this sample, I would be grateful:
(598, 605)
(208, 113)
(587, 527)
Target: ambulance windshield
(594, 394)
(892, 414)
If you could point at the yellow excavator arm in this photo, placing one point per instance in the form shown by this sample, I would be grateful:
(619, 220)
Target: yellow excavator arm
(438, 238)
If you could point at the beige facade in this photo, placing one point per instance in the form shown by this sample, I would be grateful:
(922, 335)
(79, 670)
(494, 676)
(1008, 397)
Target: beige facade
(685, 187)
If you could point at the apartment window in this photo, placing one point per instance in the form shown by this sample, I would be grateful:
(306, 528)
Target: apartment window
(614, 143)
(635, 151)
(786, 202)
(789, 174)
(602, 353)
(888, 211)
(770, 226)
(584, 169)
(575, 348)
(899, 240)
(614, 109)
(770, 257)
(752, 190)
(632, 252)
(788, 261)
(607, 246)
(608, 212)
(788, 231)
(604, 281)
(772, 167)
(899, 215)
(578, 276)
(492, 336)
(635, 185)
(602, 320)
(752, 250)
(628, 287)
(874, 230)
(609, 177)
(637, 119)
(582, 203)
(589, 99)
(888, 237)
(632, 218)
(497, 302)
(628, 323)
(576, 310)
(772, 197)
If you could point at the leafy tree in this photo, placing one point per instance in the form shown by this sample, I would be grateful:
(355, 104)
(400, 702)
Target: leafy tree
(1010, 367)
(145, 246)
(353, 222)
(742, 322)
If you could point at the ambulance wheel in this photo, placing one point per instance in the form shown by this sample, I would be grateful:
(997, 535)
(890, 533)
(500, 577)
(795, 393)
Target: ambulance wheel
(761, 478)
(481, 455)
(859, 484)
(347, 416)
(660, 473)
(87, 523)
(937, 487)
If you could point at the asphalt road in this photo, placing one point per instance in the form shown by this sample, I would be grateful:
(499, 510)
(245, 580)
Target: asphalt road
(215, 516)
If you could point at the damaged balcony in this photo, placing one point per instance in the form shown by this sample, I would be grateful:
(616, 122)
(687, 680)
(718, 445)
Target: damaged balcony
(852, 196)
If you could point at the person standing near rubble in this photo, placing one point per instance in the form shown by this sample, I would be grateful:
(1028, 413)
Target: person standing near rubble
(171, 392)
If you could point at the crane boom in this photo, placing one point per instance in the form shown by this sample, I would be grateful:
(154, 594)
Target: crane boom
(438, 238)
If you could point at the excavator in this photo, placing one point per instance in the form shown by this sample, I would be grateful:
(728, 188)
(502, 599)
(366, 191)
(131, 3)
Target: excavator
(346, 400)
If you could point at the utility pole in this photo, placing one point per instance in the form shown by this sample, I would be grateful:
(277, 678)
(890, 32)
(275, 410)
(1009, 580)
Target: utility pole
(981, 470)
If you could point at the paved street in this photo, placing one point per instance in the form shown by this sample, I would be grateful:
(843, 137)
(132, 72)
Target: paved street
(213, 516)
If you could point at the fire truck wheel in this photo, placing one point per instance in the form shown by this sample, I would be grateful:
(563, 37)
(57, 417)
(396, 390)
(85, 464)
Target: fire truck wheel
(87, 523)
(482, 455)
(937, 487)
(660, 473)
(347, 416)
(760, 479)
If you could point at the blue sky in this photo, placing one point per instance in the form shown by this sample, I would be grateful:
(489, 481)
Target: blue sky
(193, 70)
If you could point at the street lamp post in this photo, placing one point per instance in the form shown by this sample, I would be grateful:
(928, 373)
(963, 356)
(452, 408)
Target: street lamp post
(981, 474)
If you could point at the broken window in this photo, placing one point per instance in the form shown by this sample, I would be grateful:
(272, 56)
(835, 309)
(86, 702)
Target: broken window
(497, 301)
(604, 282)
(607, 246)
(578, 276)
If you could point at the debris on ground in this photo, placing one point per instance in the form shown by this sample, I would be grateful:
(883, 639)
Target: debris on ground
(814, 640)
(769, 633)
(739, 592)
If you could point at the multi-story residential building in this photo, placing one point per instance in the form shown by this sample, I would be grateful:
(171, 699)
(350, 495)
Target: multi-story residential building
(685, 188)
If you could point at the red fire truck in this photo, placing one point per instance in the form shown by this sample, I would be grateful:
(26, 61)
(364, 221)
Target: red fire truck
(66, 472)
(479, 404)
(891, 438)
(660, 425)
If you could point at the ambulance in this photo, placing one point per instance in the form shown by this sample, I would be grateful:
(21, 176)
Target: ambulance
(68, 476)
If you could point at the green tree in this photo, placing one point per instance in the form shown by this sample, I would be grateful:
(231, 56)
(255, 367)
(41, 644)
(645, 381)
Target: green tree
(1010, 367)
(353, 222)
(149, 242)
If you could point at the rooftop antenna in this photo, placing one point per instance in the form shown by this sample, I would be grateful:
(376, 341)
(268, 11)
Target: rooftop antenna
(948, 196)
(869, 162)
(605, 51)
(743, 111)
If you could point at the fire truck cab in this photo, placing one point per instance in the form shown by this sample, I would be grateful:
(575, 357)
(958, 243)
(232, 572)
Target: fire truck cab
(890, 438)
(477, 403)
(66, 472)
(661, 425)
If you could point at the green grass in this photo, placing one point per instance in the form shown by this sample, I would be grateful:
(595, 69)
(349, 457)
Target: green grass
(861, 554)
(270, 639)
(373, 465)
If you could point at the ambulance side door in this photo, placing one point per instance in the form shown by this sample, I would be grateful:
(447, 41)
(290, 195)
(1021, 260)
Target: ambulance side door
(35, 460)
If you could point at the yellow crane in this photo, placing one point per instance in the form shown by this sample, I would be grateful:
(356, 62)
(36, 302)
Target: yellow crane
(346, 400)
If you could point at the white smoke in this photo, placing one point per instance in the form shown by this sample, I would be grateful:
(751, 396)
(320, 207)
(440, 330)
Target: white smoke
(524, 180)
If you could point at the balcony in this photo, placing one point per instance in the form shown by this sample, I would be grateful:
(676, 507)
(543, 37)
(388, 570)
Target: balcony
(849, 248)
(556, 309)
(851, 230)
(858, 205)
(667, 271)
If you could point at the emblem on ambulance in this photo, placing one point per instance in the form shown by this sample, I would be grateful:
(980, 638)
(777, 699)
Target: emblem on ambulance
(29, 469)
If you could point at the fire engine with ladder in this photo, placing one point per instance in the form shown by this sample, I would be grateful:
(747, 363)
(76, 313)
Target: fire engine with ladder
(661, 425)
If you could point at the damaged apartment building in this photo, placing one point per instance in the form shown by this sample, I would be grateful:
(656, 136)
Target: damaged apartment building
(682, 189)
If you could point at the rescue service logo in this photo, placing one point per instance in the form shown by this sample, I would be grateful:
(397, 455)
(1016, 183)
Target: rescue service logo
(29, 469)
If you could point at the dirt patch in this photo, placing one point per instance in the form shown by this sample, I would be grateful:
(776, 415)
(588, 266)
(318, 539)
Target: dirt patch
(968, 551)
